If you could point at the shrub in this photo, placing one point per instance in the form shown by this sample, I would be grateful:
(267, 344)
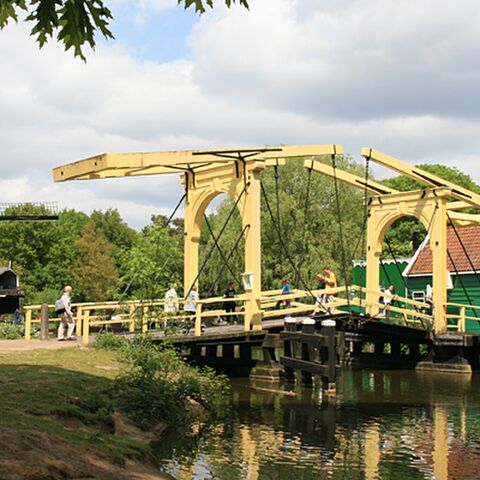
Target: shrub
(109, 341)
(11, 331)
(159, 384)
(48, 295)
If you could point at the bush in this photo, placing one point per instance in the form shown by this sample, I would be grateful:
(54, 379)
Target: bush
(159, 385)
(48, 295)
(11, 331)
(109, 341)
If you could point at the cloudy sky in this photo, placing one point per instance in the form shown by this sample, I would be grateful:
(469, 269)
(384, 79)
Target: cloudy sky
(400, 76)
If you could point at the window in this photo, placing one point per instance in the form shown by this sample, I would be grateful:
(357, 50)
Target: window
(419, 296)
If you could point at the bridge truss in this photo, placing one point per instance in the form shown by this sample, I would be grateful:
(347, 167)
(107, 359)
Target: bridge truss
(237, 172)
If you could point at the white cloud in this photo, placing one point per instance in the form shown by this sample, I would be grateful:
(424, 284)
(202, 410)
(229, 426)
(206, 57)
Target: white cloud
(397, 76)
(145, 7)
(352, 59)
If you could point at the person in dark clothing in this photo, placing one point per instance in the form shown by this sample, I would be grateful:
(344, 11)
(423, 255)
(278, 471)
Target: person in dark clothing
(17, 316)
(321, 282)
(286, 289)
(230, 306)
(429, 302)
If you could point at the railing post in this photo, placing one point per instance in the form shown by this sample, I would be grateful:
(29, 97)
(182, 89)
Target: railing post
(461, 322)
(198, 320)
(78, 327)
(86, 328)
(44, 322)
(308, 325)
(131, 313)
(290, 324)
(328, 330)
(145, 320)
(28, 324)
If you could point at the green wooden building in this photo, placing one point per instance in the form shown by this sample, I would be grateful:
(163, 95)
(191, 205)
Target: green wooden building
(463, 271)
(390, 273)
(415, 279)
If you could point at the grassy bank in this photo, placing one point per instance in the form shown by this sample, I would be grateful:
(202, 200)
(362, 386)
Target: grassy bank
(56, 417)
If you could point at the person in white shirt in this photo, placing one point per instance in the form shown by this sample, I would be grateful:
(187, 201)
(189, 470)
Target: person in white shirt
(387, 301)
(67, 316)
(191, 301)
(171, 300)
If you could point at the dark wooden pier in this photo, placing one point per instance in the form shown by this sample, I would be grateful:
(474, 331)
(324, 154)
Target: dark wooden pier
(321, 346)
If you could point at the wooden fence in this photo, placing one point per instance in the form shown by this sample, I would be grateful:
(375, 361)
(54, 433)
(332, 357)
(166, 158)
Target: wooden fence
(147, 315)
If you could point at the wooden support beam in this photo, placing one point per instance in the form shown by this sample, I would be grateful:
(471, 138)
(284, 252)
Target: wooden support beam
(346, 177)
(380, 189)
(110, 165)
(422, 176)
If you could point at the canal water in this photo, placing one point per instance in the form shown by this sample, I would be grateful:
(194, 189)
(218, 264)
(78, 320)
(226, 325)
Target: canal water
(381, 425)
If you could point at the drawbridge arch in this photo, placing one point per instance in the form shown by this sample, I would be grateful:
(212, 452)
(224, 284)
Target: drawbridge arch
(428, 206)
(205, 174)
(243, 186)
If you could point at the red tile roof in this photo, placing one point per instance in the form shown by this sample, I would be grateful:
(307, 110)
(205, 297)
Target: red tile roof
(470, 237)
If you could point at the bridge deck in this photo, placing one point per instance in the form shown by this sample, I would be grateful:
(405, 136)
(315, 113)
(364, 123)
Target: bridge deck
(353, 323)
(220, 333)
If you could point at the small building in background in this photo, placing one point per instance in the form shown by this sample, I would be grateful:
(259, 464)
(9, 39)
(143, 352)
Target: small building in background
(10, 292)
(463, 272)
(412, 277)
(391, 273)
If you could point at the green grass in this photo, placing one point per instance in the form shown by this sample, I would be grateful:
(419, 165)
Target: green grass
(64, 393)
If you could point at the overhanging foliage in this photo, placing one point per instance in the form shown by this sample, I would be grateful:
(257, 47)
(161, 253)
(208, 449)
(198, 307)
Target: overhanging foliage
(74, 23)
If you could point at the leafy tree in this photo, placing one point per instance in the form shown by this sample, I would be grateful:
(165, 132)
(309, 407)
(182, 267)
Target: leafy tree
(312, 242)
(74, 22)
(61, 253)
(94, 273)
(212, 280)
(42, 253)
(118, 233)
(451, 174)
(175, 226)
(154, 261)
(46, 255)
(406, 233)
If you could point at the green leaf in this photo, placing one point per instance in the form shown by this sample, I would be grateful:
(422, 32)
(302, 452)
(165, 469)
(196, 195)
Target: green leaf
(200, 5)
(78, 20)
(101, 15)
(8, 10)
(45, 17)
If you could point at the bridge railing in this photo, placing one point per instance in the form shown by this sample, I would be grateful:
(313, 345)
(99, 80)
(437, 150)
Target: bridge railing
(142, 315)
(88, 314)
(411, 313)
(201, 313)
(298, 301)
(133, 315)
(458, 321)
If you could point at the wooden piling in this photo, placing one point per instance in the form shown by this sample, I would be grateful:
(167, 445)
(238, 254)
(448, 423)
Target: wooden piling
(44, 322)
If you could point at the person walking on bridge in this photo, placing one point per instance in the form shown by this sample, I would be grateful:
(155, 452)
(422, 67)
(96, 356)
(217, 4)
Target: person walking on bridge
(387, 301)
(321, 297)
(64, 307)
(191, 301)
(330, 282)
(286, 289)
(190, 308)
(229, 305)
(171, 299)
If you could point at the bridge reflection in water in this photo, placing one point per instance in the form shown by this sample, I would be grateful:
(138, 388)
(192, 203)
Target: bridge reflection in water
(383, 425)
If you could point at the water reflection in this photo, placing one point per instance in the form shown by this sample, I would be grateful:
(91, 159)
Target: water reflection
(382, 425)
